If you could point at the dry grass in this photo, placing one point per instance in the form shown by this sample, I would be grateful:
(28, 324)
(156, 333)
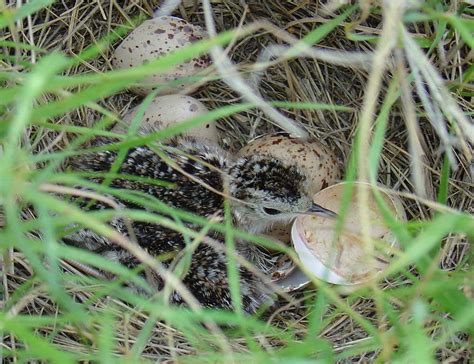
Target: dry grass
(73, 25)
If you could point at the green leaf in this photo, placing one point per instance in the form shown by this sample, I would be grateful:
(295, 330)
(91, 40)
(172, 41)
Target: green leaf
(444, 182)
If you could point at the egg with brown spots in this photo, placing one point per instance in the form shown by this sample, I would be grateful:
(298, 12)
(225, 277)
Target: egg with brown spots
(153, 39)
(168, 110)
(316, 161)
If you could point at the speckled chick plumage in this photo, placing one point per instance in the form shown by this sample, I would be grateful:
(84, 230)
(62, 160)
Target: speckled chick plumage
(263, 192)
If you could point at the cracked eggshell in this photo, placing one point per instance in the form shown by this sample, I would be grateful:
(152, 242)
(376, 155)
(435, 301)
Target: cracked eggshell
(283, 266)
(167, 110)
(277, 266)
(153, 39)
(280, 268)
(314, 159)
(346, 261)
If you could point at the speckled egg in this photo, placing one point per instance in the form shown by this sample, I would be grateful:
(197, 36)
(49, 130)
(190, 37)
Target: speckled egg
(167, 110)
(314, 159)
(153, 39)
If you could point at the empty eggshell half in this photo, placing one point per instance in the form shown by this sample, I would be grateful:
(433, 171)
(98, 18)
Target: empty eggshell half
(283, 265)
(277, 266)
(293, 281)
(350, 260)
(167, 110)
(318, 163)
(280, 268)
(153, 39)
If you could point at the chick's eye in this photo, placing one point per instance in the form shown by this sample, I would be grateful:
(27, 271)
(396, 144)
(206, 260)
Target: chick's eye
(269, 211)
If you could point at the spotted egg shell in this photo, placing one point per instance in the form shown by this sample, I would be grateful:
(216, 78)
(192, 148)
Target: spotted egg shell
(153, 39)
(318, 163)
(167, 110)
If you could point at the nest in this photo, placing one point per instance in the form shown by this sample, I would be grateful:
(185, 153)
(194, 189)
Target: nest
(72, 26)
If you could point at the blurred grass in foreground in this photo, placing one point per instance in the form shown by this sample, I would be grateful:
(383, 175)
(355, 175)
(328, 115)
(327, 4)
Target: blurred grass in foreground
(420, 312)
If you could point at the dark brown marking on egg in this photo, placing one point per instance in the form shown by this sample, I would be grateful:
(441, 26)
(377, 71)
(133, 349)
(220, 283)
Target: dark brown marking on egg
(194, 38)
(324, 184)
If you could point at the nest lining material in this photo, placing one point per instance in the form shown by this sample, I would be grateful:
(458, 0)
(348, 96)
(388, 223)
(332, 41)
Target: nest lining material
(72, 26)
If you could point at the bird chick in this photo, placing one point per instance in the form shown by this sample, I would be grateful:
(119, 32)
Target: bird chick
(263, 191)
(267, 192)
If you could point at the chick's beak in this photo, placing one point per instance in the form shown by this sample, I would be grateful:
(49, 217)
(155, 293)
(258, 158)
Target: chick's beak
(320, 211)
